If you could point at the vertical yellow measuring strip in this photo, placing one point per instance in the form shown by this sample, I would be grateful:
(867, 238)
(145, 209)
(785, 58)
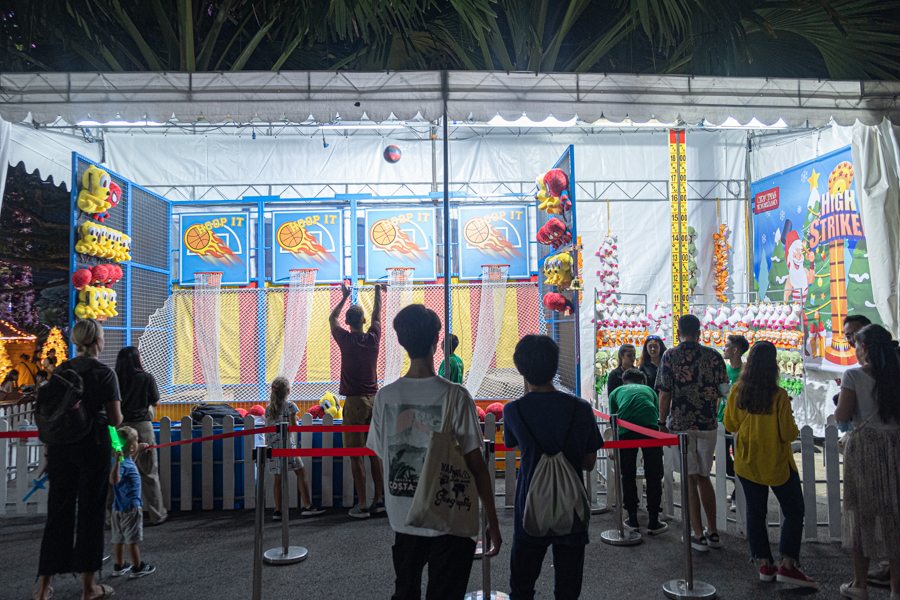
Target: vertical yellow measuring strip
(678, 209)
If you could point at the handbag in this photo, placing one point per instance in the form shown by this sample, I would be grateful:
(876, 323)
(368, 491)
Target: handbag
(446, 499)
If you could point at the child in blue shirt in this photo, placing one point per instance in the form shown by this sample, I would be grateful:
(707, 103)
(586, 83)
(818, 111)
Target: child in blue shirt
(127, 516)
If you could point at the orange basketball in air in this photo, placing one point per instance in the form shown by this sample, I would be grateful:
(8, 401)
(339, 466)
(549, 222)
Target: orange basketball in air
(383, 233)
(290, 235)
(197, 237)
(840, 179)
(476, 230)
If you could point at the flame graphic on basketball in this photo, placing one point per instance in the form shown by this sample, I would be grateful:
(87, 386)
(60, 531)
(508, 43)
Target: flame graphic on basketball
(390, 238)
(206, 244)
(481, 235)
(840, 179)
(296, 239)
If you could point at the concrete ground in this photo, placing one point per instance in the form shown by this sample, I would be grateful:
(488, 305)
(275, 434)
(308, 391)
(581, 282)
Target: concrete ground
(208, 555)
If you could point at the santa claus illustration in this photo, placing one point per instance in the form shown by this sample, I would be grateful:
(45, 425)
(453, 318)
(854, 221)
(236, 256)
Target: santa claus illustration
(799, 277)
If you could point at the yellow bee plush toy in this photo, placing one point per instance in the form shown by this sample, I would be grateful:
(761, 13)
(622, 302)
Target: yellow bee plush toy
(332, 406)
(94, 195)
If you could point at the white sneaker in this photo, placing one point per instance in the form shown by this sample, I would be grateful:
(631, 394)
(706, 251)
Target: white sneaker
(848, 591)
(359, 512)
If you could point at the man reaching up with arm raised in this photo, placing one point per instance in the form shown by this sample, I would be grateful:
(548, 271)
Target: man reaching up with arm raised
(359, 383)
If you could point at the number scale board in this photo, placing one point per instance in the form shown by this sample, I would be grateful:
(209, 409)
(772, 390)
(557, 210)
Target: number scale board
(215, 242)
(493, 235)
(678, 207)
(307, 239)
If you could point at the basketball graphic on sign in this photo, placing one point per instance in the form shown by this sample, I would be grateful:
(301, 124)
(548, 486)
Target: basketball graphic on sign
(290, 236)
(197, 238)
(392, 154)
(383, 233)
(476, 231)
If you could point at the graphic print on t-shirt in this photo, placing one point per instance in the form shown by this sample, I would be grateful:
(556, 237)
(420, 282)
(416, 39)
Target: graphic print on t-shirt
(408, 444)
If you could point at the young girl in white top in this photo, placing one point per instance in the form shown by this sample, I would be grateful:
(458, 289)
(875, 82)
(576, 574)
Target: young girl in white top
(281, 409)
(870, 399)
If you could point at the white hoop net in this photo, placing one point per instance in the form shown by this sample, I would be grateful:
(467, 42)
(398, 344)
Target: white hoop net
(491, 306)
(207, 312)
(398, 296)
(297, 313)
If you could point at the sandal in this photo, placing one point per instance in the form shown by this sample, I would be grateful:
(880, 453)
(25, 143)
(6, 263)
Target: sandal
(108, 591)
(49, 593)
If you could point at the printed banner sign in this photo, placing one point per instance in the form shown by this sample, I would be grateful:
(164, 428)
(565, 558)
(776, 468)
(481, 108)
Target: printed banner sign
(766, 201)
(307, 239)
(493, 235)
(400, 237)
(810, 248)
(215, 242)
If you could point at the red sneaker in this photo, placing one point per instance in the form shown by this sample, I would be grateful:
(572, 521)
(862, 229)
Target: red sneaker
(795, 577)
(768, 572)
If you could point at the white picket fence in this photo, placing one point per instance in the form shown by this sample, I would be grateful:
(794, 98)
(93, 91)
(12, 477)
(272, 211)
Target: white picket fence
(216, 474)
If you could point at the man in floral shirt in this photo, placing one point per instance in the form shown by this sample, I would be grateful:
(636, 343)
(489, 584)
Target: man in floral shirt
(691, 381)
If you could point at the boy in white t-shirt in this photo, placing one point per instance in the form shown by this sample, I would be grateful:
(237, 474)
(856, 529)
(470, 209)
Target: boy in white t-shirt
(404, 415)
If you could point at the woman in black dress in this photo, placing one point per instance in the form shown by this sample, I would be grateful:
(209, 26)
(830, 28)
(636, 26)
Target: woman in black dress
(650, 357)
(626, 361)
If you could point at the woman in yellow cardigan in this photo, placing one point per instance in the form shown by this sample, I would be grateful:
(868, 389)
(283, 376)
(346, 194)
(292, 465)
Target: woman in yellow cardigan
(759, 413)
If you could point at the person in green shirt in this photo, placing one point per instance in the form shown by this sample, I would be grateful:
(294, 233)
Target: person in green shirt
(456, 363)
(636, 403)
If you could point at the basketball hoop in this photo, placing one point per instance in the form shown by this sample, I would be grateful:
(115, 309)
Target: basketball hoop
(400, 275)
(208, 279)
(494, 272)
(303, 276)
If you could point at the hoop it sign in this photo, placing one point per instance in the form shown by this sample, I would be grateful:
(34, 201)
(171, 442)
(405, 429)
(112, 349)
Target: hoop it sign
(766, 201)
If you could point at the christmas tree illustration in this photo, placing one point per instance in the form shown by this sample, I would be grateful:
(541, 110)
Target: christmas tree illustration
(778, 272)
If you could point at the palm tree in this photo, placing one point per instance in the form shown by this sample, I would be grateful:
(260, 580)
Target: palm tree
(841, 39)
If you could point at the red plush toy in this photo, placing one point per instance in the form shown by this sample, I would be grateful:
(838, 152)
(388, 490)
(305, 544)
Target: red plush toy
(115, 195)
(558, 303)
(99, 274)
(480, 412)
(496, 409)
(114, 274)
(241, 411)
(554, 233)
(557, 183)
(317, 411)
(81, 278)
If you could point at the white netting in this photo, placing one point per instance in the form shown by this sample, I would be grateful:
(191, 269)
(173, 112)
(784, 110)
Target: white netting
(207, 312)
(251, 329)
(398, 295)
(297, 313)
(490, 323)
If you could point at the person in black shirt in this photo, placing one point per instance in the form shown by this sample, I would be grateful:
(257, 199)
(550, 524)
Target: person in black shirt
(79, 476)
(626, 361)
(139, 393)
(650, 357)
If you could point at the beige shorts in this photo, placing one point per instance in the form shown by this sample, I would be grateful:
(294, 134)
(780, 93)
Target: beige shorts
(357, 411)
(701, 450)
(127, 526)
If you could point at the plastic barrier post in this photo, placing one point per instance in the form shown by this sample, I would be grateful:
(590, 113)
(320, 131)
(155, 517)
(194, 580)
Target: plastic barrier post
(687, 587)
(491, 462)
(286, 554)
(620, 536)
(260, 453)
(590, 481)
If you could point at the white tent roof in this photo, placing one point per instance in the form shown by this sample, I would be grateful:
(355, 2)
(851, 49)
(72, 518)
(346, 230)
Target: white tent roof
(297, 95)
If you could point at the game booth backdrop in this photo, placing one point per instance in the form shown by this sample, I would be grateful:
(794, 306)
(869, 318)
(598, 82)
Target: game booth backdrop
(680, 207)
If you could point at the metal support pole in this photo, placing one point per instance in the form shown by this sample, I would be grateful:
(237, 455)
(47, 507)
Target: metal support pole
(620, 536)
(287, 554)
(486, 541)
(687, 587)
(445, 93)
(258, 521)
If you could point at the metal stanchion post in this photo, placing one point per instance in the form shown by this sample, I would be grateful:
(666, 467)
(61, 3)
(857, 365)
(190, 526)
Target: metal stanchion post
(260, 453)
(620, 536)
(486, 542)
(687, 587)
(286, 554)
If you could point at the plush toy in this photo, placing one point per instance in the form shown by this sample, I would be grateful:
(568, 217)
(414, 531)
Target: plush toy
(495, 409)
(114, 274)
(115, 195)
(81, 278)
(558, 303)
(99, 275)
(553, 195)
(720, 262)
(316, 411)
(111, 303)
(242, 412)
(554, 233)
(332, 406)
(94, 195)
(88, 236)
(88, 305)
(481, 413)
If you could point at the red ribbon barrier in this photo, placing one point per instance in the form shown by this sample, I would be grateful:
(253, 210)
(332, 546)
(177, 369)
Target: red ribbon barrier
(219, 436)
(659, 436)
(18, 434)
(321, 452)
(330, 428)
